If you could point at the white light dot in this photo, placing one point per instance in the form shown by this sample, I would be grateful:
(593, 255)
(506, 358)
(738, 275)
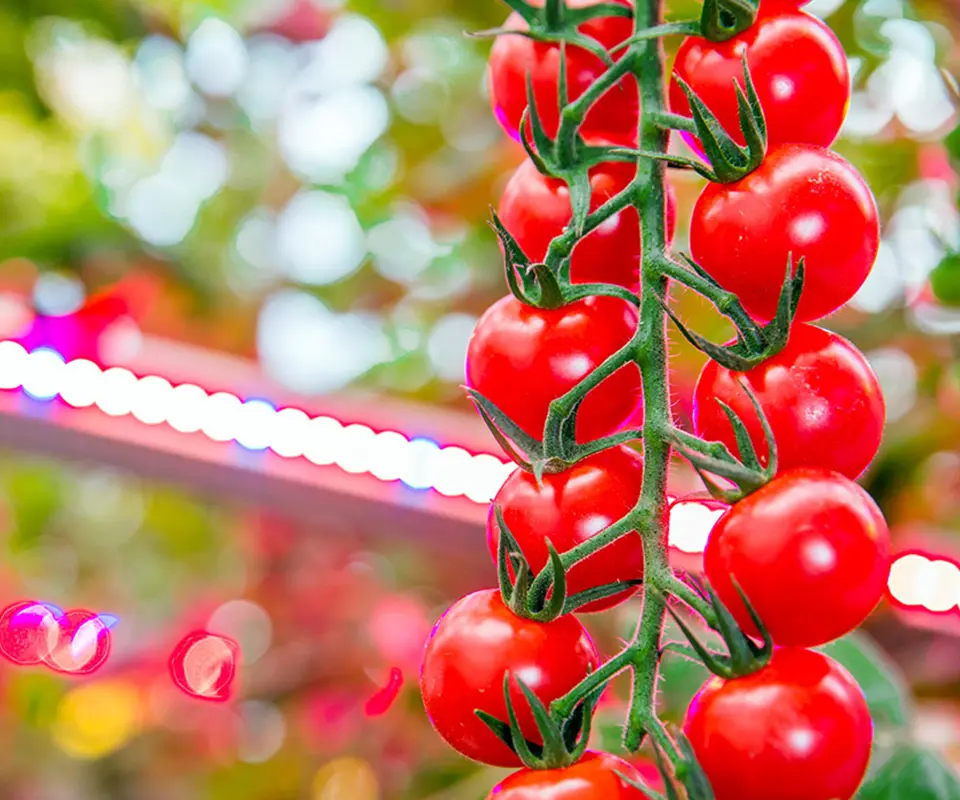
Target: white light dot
(419, 472)
(80, 383)
(221, 419)
(288, 432)
(322, 441)
(357, 449)
(13, 360)
(255, 425)
(151, 401)
(263, 732)
(247, 623)
(453, 471)
(487, 477)
(943, 586)
(116, 391)
(216, 58)
(43, 373)
(389, 457)
(187, 408)
(690, 525)
(908, 578)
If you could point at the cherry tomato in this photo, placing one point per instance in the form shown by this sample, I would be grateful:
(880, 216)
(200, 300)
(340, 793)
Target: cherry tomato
(799, 729)
(513, 57)
(810, 550)
(593, 777)
(798, 67)
(474, 644)
(570, 507)
(536, 209)
(820, 395)
(804, 201)
(522, 358)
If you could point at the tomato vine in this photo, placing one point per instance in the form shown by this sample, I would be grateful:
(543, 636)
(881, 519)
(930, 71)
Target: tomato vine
(556, 369)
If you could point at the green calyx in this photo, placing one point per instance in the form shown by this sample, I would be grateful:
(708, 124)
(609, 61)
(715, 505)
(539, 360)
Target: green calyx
(945, 280)
(729, 161)
(544, 597)
(723, 19)
(564, 741)
(755, 343)
(685, 781)
(744, 656)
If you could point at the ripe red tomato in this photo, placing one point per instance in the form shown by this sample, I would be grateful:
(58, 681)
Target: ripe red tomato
(568, 509)
(798, 67)
(536, 209)
(473, 645)
(820, 395)
(810, 550)
(513, 57)
(594, 777)
(522, 358)
(803, 200)
(799, 729)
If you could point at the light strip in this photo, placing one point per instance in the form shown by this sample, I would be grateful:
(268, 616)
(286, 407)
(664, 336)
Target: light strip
(254, 424)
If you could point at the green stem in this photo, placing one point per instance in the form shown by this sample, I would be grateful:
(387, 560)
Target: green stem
(651, 356)
(725, 302)
(562, 246)
(675, 122)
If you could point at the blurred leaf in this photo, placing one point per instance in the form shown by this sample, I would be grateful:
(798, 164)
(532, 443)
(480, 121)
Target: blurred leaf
(913, 774)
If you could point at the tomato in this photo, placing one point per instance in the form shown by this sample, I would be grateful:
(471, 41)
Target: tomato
(536, 209)
(473, 645)
(803, 200)
(614, 115)
(810, 550)
(522, 358)
(799, 729)
(593, 777)
(568, 509)
(820, 395)
(798, 67)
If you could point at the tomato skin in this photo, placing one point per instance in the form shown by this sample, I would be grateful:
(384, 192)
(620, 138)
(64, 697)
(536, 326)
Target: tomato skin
(571, 507)
(820, 395)
(810, 550)
(798, 68)
(616, 113)
(535, 209)
(473, 645)
(522, 358)
(799, 729)
(593, 777)
(802, 200)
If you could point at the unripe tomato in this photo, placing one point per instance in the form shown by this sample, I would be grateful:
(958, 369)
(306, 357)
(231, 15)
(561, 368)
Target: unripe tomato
(522, 358)
(798, 68)
(945, 280)
(568, 508)
(473, 645)
(802, 200)
(513, 57)
(811, 552)
(594, 777)
(799, 729)
(536, 209)
(820, 395)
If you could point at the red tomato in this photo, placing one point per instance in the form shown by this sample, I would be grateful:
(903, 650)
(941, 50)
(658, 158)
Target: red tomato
(594, 777)
(799, 729)
(810, 550)
(513, 57)
(474, 644)
(798, 67)
(536, 209)
(803, 200)
(820, 395)
(522, 358)
(568, 509)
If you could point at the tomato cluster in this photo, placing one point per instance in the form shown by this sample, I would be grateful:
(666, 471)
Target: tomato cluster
(810, 550)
